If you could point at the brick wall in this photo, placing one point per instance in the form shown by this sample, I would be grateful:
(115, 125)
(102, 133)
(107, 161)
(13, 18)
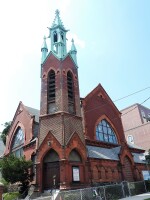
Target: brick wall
(23, 120)
(136, 126)
(61, 68)
(97, 106)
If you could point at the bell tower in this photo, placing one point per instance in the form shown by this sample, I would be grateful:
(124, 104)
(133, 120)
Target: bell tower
(61, 127)
(58, 37)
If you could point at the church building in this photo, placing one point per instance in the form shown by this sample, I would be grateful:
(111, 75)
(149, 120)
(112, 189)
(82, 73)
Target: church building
(73, 142)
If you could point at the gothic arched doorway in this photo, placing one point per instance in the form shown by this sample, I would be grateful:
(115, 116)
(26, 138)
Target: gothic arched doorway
(51, 170)
(128, 169)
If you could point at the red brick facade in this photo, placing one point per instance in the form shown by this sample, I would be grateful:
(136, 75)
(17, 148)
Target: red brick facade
(63, 141)
(24, 120)
(64, 133)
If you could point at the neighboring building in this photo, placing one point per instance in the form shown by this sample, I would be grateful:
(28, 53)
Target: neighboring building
(2, 147)
(136, 124)
(73, 142)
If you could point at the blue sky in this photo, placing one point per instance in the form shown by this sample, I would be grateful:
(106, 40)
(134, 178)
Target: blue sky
(112, 38)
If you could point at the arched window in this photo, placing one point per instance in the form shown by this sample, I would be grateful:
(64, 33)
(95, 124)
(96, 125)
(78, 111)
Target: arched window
(74, 156)
(130, 139)
(75, 159)
(51, 156)
(55, 36)
(105, 133)
(70, 93)
(51, 92)
(62, 36)
(17, 143)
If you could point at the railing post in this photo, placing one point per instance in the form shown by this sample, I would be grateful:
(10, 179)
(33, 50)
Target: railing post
(145, 186)
(104, 192)
(81, 194)
(123, 189)
(129, 188)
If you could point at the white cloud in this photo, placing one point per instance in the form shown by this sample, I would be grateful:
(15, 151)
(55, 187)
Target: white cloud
(78, 42)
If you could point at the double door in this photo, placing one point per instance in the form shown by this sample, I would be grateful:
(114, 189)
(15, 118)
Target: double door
(51, 175)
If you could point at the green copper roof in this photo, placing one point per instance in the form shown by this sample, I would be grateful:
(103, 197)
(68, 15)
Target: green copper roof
(44, 45)
(73, 48)
(57, 21)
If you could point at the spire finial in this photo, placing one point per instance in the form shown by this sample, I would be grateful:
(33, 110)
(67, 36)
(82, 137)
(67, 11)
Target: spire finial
(73, 51)
(44, 50)
(73, 48)
(44, 38)
(44, 45)
(57, 12)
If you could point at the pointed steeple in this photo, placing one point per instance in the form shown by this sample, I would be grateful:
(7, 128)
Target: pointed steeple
(57, 21)
(44, 50)
(58, 37)
(73, 52)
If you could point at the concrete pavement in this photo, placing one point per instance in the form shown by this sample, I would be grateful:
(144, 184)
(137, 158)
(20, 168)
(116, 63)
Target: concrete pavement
(138, 197)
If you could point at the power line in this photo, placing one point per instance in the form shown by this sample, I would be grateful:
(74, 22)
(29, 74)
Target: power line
(131, 94)
(104, 105)
(136, 106)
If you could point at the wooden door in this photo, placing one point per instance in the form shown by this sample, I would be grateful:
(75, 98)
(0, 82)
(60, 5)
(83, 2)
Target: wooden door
(51, 175)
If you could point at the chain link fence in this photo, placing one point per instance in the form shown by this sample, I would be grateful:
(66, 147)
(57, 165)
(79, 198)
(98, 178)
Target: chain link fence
(107, 192)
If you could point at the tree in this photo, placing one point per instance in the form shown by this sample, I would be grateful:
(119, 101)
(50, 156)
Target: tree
(15, 169)
(5, 131)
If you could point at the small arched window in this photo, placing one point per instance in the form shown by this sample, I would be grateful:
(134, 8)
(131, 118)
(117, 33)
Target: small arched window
(62, 36)
(105, 133)
(130, 139)
(51, 92)
(74, 156)
(17, 143)
(51, 156)
(55, 37)
(71, 108)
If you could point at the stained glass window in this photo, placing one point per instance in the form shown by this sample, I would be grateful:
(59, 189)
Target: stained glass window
(18, 142)
(105, 133)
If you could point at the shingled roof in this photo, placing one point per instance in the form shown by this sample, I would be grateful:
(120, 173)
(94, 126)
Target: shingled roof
(103, 153)
(34, 112)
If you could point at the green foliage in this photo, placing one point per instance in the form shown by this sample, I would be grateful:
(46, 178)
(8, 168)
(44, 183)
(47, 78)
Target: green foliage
(15, 169)
(5, 183)
(5, 131)
(11, 195)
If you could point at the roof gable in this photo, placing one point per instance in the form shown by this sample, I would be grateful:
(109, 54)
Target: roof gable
(31, 111)
(100, 91)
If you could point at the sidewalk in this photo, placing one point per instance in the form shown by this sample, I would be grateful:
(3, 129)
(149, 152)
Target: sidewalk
(138, 197)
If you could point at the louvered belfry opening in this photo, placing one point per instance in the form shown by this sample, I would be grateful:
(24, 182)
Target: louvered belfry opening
(55, 37)
(51, 92)
(71, 108)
